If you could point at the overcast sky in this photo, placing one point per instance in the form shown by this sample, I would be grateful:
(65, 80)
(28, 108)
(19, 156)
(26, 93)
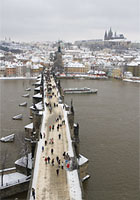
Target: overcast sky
(69, 20)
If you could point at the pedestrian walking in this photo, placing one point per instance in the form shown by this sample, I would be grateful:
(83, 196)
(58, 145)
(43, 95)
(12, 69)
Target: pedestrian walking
(63, 122)
(42, 148)
(45, 142)
(59, 136)
(59, 163)
(46, 160)
(53, 162)
(33, 193)
(40, 135)
(57, 172)
(52, 127)
(49, 159)
(57, 158)
(44, 135)
(64, 154)
(62, 165)
(49, 128)
(51, 151)
(51, 141)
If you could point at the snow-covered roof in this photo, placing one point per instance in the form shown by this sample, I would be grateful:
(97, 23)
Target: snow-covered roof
(37, 88)
(12, 179)
(38, 82)
(34, 67)
(38, 95)
(132, 64)
(23, 161)
(82, 160)
(39, 106)
(35, 59)
(29, 126)
(74, 64)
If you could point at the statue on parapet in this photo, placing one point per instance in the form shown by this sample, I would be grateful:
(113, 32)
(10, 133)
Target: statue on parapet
(72, 109)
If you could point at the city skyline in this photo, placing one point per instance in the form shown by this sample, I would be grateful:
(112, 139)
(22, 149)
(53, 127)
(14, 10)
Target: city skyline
(51, 20)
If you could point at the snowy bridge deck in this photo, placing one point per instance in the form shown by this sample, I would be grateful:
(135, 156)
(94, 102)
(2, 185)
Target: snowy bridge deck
(47, 184)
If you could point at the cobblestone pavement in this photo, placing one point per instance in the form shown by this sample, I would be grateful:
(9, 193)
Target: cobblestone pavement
(51, 186)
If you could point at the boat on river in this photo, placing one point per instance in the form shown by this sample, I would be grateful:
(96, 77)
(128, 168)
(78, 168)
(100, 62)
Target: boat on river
(9, 138)
(18, 117)
(84, 90)
(25, 95)
(23, 104)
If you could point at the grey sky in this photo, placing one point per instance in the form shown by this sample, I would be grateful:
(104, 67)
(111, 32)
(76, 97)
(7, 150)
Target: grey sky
(70, 20)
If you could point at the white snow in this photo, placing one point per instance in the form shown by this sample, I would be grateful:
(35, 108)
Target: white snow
(86, 177)
(22, 161)
(8, 138)
(12, 179)
(70, 149)
(82, 160)
(38, 83)
(72, 176)
(38, 95)
(29, 126)
(39, 106)
(5, 78)
(8, 169)
(74, 185)
(37, 88)
(39, 147)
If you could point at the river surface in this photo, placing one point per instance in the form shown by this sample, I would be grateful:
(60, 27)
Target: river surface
(109, 132)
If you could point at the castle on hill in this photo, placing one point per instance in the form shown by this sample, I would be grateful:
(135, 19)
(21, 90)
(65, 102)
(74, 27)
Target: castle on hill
(109, 35)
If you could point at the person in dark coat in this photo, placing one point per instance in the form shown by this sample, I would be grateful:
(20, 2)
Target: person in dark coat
(51, 151)
(57, 172)
(57, 158)
(49, 159)
(53, 162)
(33, 193)
(59, 136)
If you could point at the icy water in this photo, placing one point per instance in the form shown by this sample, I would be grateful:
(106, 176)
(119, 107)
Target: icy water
(109, 133)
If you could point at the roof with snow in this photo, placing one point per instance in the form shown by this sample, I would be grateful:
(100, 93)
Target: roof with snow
(23, 161)
(29, 126)
(38, 95)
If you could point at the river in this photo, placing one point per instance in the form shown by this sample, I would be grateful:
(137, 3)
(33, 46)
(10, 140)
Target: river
(109, 132)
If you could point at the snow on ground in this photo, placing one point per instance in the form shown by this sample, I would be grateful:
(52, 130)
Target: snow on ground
(74, 185)
(70, 149)
(12, 179)
(39, 147)
(72, 176)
